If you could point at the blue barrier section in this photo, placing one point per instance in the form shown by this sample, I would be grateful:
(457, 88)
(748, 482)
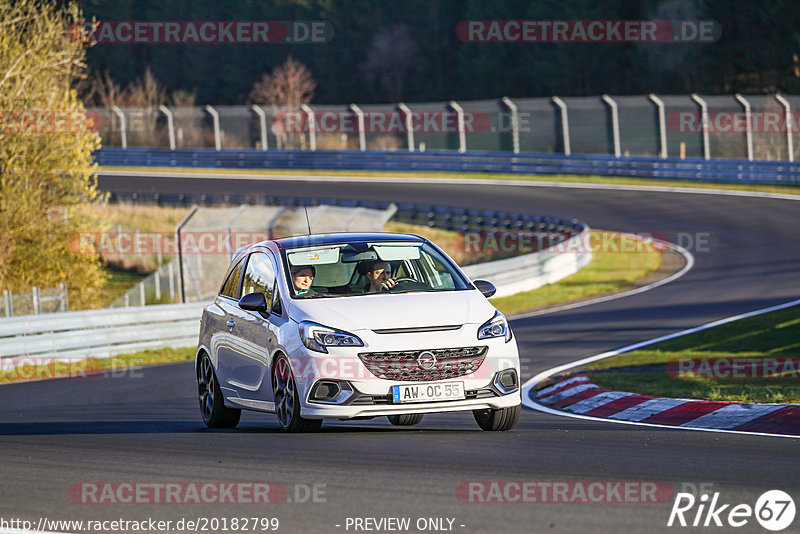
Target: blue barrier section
(715, 170)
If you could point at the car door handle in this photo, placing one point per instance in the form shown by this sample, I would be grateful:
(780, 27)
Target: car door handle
(230, 324)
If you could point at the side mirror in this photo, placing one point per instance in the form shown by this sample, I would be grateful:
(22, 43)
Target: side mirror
(254, 302)
(487, 288)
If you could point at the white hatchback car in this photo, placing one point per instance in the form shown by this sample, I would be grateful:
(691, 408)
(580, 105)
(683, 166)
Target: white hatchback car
(354, 326)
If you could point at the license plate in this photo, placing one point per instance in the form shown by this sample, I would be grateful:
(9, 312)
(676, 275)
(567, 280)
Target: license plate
(441, 391)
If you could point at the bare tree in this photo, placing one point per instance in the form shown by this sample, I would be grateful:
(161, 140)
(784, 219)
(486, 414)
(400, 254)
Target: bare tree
(289, 85)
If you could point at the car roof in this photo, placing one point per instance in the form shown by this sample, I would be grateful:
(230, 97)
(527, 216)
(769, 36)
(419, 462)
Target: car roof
(344, 237)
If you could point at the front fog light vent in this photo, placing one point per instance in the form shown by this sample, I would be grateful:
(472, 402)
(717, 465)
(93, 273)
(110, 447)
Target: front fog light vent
(506, 381)
(329, 391)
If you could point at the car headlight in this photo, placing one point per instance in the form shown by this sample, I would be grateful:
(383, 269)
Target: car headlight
(316, 337)
(497, 326)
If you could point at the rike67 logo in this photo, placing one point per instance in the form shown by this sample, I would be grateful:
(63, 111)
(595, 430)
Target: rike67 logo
(774, 510)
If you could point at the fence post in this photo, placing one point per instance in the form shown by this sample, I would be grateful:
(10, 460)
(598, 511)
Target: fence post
(462, 135)
(158, 284)
(142, 301)
(64, 296)
(159, 256)
(262, 121)
(122, 126)
(180, 251)
(514, 123)
(614, 123)
(37, 301)
(9, 309)
(362, 136)
(409, 125)
(705, 125)
(662, 123)
(564, 124)
(217, 134)
(788, 121)
(170, 125)
(127, 300)
(171, 276)
(748, 119)
(312, 126)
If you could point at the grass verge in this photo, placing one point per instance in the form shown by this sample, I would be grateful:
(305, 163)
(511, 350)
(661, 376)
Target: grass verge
(728, 363)
(617, 263)
(90, 367)
(563, 178)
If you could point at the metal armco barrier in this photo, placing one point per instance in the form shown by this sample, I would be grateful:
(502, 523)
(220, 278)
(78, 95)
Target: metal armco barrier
(699, 169)
(100, 333)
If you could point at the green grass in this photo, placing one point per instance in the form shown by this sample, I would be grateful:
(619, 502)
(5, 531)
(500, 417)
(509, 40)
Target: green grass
(118, 283)
(564, 178)
(772, 335)
(92, 366)
(615, 265)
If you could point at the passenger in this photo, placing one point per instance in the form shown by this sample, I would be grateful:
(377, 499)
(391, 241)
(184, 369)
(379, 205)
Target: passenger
(302, 277)
(379, 275)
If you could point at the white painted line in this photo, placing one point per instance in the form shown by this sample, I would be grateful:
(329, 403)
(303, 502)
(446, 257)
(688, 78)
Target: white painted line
(647, 408)
(561, 384)
(528, 386)
(733, 415)
(555, 397)
(439, 180)
(598, 400)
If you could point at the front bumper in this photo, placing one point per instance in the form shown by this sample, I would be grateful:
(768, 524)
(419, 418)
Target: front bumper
(371, 395)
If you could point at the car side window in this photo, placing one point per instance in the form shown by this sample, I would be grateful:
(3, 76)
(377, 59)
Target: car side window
(259, 276)
(231, 285)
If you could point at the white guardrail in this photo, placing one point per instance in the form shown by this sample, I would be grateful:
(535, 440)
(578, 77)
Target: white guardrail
(106, 332)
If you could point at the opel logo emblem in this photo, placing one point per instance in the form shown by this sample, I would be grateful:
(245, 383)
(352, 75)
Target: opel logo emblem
(426, 359)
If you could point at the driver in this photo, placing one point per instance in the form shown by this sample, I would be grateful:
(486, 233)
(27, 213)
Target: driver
(302, 277)
(379, 275)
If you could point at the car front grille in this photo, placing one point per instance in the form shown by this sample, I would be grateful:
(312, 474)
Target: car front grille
(403, 365)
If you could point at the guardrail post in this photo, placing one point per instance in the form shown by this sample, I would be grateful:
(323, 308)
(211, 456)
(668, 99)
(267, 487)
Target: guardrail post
(362, 136)
(217, 134)
(789, 122)
(262, 121)
(170, 125)
(705, 124)
(409, 125)
(514, 123)
(662, 124)
(564, 124)
(122, 125)
(748, 119)
(171, 276)
(157, 280)
(64, 296)
(9, 308)
(462, 134)
(614, 123)
(312, 126)
(37, 301)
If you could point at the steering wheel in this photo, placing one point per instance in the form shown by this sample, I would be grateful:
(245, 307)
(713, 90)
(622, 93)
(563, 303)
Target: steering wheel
(406, 280)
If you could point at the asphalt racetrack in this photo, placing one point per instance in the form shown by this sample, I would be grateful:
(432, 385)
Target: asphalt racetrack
(146, 427)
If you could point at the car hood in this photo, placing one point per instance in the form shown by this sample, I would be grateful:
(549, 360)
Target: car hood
(409, 310)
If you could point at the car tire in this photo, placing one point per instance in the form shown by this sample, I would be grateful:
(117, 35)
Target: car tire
(287, 401)
(497, 420)
(212, 405)
(406, 419)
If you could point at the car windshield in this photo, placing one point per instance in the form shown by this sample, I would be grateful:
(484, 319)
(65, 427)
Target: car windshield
(359, 268)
